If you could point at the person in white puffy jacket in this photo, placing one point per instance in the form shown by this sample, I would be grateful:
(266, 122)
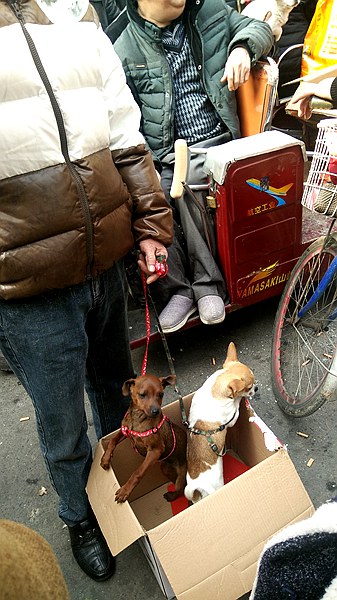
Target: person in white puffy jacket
(77, 190)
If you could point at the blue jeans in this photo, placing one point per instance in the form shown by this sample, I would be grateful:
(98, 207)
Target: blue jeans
(58, 344)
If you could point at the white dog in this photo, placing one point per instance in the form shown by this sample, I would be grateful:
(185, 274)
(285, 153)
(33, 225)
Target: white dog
(273, 12)
(214, 407)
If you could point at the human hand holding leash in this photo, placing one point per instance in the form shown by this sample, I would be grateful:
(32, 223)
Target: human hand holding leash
(237, 68)
(150, 251)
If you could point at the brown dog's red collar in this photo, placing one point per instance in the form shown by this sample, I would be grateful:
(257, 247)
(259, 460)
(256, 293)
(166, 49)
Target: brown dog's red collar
(129, 432)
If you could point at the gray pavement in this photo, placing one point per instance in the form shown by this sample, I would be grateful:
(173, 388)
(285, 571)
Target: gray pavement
(194, 351)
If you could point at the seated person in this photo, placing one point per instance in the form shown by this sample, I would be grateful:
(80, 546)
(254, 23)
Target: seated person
(183, 62)
(300, 102)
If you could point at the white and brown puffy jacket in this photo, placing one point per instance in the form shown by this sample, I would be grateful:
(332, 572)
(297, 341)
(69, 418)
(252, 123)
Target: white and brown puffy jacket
(67, 214)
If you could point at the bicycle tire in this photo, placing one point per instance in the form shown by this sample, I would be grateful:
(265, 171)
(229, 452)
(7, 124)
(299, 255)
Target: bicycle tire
(304, 350)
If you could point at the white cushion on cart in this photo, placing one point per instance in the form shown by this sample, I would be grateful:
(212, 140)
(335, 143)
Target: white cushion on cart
(218, 158)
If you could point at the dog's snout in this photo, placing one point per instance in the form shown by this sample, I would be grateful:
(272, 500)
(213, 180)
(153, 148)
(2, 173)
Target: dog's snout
(252, 392)
(155, 411)
(256, 392)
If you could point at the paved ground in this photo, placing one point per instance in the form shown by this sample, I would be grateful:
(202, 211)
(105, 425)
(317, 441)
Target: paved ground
(23, 473)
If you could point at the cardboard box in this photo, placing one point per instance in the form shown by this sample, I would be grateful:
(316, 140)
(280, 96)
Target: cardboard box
(210, 549)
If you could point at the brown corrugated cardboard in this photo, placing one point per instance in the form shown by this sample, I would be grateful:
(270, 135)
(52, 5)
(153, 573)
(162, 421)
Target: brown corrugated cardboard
(210, 549)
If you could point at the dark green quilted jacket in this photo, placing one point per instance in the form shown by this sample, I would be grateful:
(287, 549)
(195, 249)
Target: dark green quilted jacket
(213, 29)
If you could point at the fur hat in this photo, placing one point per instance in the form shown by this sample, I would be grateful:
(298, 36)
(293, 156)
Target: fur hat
(28, 567)
(301, 560)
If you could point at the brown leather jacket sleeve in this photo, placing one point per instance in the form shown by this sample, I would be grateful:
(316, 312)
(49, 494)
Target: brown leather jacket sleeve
(152, 215)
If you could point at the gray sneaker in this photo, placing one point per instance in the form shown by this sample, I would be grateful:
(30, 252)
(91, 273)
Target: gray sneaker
(176, 313)
(211, 310)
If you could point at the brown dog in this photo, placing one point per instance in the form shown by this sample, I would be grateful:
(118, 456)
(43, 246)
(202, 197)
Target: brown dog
(152, 434)
(214, 408)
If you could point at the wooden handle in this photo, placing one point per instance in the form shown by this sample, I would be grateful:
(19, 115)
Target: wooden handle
(180, 169)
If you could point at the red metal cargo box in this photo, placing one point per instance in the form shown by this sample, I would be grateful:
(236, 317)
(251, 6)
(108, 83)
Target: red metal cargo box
(259, 183)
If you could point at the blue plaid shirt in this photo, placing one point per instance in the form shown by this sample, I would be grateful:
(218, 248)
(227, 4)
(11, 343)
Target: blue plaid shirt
(195, 116)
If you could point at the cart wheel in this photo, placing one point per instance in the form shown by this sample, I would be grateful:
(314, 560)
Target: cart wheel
(304, 349)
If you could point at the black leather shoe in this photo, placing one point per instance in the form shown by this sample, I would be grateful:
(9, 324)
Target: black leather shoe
(91, 550)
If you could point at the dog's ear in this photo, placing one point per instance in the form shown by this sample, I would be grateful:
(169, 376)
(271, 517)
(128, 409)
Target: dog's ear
(235, 387)
(232, 354)
(127, 386)
(169, 380)
(238, 386)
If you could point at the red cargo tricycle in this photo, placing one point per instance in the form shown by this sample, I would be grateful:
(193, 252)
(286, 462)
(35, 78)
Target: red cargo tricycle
(255, 188)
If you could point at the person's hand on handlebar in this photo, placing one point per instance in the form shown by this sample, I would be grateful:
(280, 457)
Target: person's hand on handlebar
(237, 68)
(300, 103)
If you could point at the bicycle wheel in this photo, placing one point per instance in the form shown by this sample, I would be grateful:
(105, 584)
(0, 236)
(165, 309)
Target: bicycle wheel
(304, 349)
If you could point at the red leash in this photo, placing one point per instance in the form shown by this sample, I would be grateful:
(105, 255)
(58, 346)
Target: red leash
(162, 268)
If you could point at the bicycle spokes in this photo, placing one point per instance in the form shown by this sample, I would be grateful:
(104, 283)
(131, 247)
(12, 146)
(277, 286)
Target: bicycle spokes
(304, 346)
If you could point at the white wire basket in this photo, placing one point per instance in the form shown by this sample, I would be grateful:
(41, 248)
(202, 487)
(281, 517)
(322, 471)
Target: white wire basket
(320, 189)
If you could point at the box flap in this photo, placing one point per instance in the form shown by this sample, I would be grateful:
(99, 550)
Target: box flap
(217, 542)
(156, 568)
(250, 438)
(118, 523)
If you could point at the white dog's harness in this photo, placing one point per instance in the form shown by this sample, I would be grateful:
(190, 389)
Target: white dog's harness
(209, 432)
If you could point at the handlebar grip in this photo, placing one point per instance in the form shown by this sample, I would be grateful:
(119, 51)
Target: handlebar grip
(180, 168)
(316, 102)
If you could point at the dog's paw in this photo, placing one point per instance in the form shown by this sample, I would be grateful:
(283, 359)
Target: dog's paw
(171, 496)
(197, 496)
(105, 463)
(121, 495)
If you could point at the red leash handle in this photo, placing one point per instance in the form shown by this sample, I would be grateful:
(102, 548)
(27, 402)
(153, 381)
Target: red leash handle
(161, 268)
(161, 265)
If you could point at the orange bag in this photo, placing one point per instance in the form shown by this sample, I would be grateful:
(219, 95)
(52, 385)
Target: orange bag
(256, 98)
(320, 42)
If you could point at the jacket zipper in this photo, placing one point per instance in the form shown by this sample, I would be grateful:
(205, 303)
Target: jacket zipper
(62, 134)
(172, 105)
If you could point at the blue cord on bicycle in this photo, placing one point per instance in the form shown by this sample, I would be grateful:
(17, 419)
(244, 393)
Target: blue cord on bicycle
(323, 284)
